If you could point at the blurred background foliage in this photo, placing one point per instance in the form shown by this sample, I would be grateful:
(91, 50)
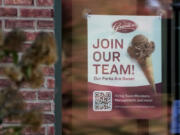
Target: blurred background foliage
(25, 69)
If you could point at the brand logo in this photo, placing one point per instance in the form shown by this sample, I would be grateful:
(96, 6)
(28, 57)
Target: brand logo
(124, 26)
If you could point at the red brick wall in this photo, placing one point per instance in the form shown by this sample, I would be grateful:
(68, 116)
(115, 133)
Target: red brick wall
(32, 16)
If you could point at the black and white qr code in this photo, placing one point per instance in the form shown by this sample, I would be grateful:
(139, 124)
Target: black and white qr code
(102, 101)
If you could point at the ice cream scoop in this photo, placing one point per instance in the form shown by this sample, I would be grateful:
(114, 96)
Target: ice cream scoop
(141, 49)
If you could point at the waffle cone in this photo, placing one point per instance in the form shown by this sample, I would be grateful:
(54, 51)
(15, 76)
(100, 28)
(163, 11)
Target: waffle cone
(147, 69)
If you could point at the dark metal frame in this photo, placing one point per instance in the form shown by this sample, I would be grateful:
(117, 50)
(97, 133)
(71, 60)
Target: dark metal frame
(176, 31)
(58, 81)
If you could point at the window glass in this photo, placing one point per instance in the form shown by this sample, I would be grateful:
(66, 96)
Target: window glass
(76, 97)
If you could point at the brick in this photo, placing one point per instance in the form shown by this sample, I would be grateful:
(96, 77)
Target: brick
(30, 132)
(48, 71)
(46, 95)
(53, 106)
(50, 83)
(36, 13)
(27, 85)
(25, 24)
(8, 121)
(6, 60)
(29, 95)
(0, 24)
(45, 24)
(51, 130)
(1, 71)
(25, 46)
(4, 82)
(31, 35)
(18, 2)
(44, 106)
(45, 2)
(48, 119)
(8, 12)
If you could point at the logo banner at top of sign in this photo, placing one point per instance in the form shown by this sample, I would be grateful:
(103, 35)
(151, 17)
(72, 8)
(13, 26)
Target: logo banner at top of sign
(124, 66)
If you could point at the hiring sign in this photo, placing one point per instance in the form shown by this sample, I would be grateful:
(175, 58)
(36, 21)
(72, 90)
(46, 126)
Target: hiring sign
(124, 66)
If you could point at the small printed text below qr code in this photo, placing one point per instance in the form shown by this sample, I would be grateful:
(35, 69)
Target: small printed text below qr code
(102, 101)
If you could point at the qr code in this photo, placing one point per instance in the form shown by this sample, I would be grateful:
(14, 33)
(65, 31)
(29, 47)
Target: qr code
(102, 100)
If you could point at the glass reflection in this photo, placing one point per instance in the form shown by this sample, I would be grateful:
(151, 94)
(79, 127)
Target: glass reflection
(74, 77)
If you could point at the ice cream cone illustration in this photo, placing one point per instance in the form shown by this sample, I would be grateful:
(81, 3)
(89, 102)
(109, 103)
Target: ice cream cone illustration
(141, 50)
(147, 69)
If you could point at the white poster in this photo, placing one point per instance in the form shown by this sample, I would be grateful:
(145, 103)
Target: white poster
(124, 65)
